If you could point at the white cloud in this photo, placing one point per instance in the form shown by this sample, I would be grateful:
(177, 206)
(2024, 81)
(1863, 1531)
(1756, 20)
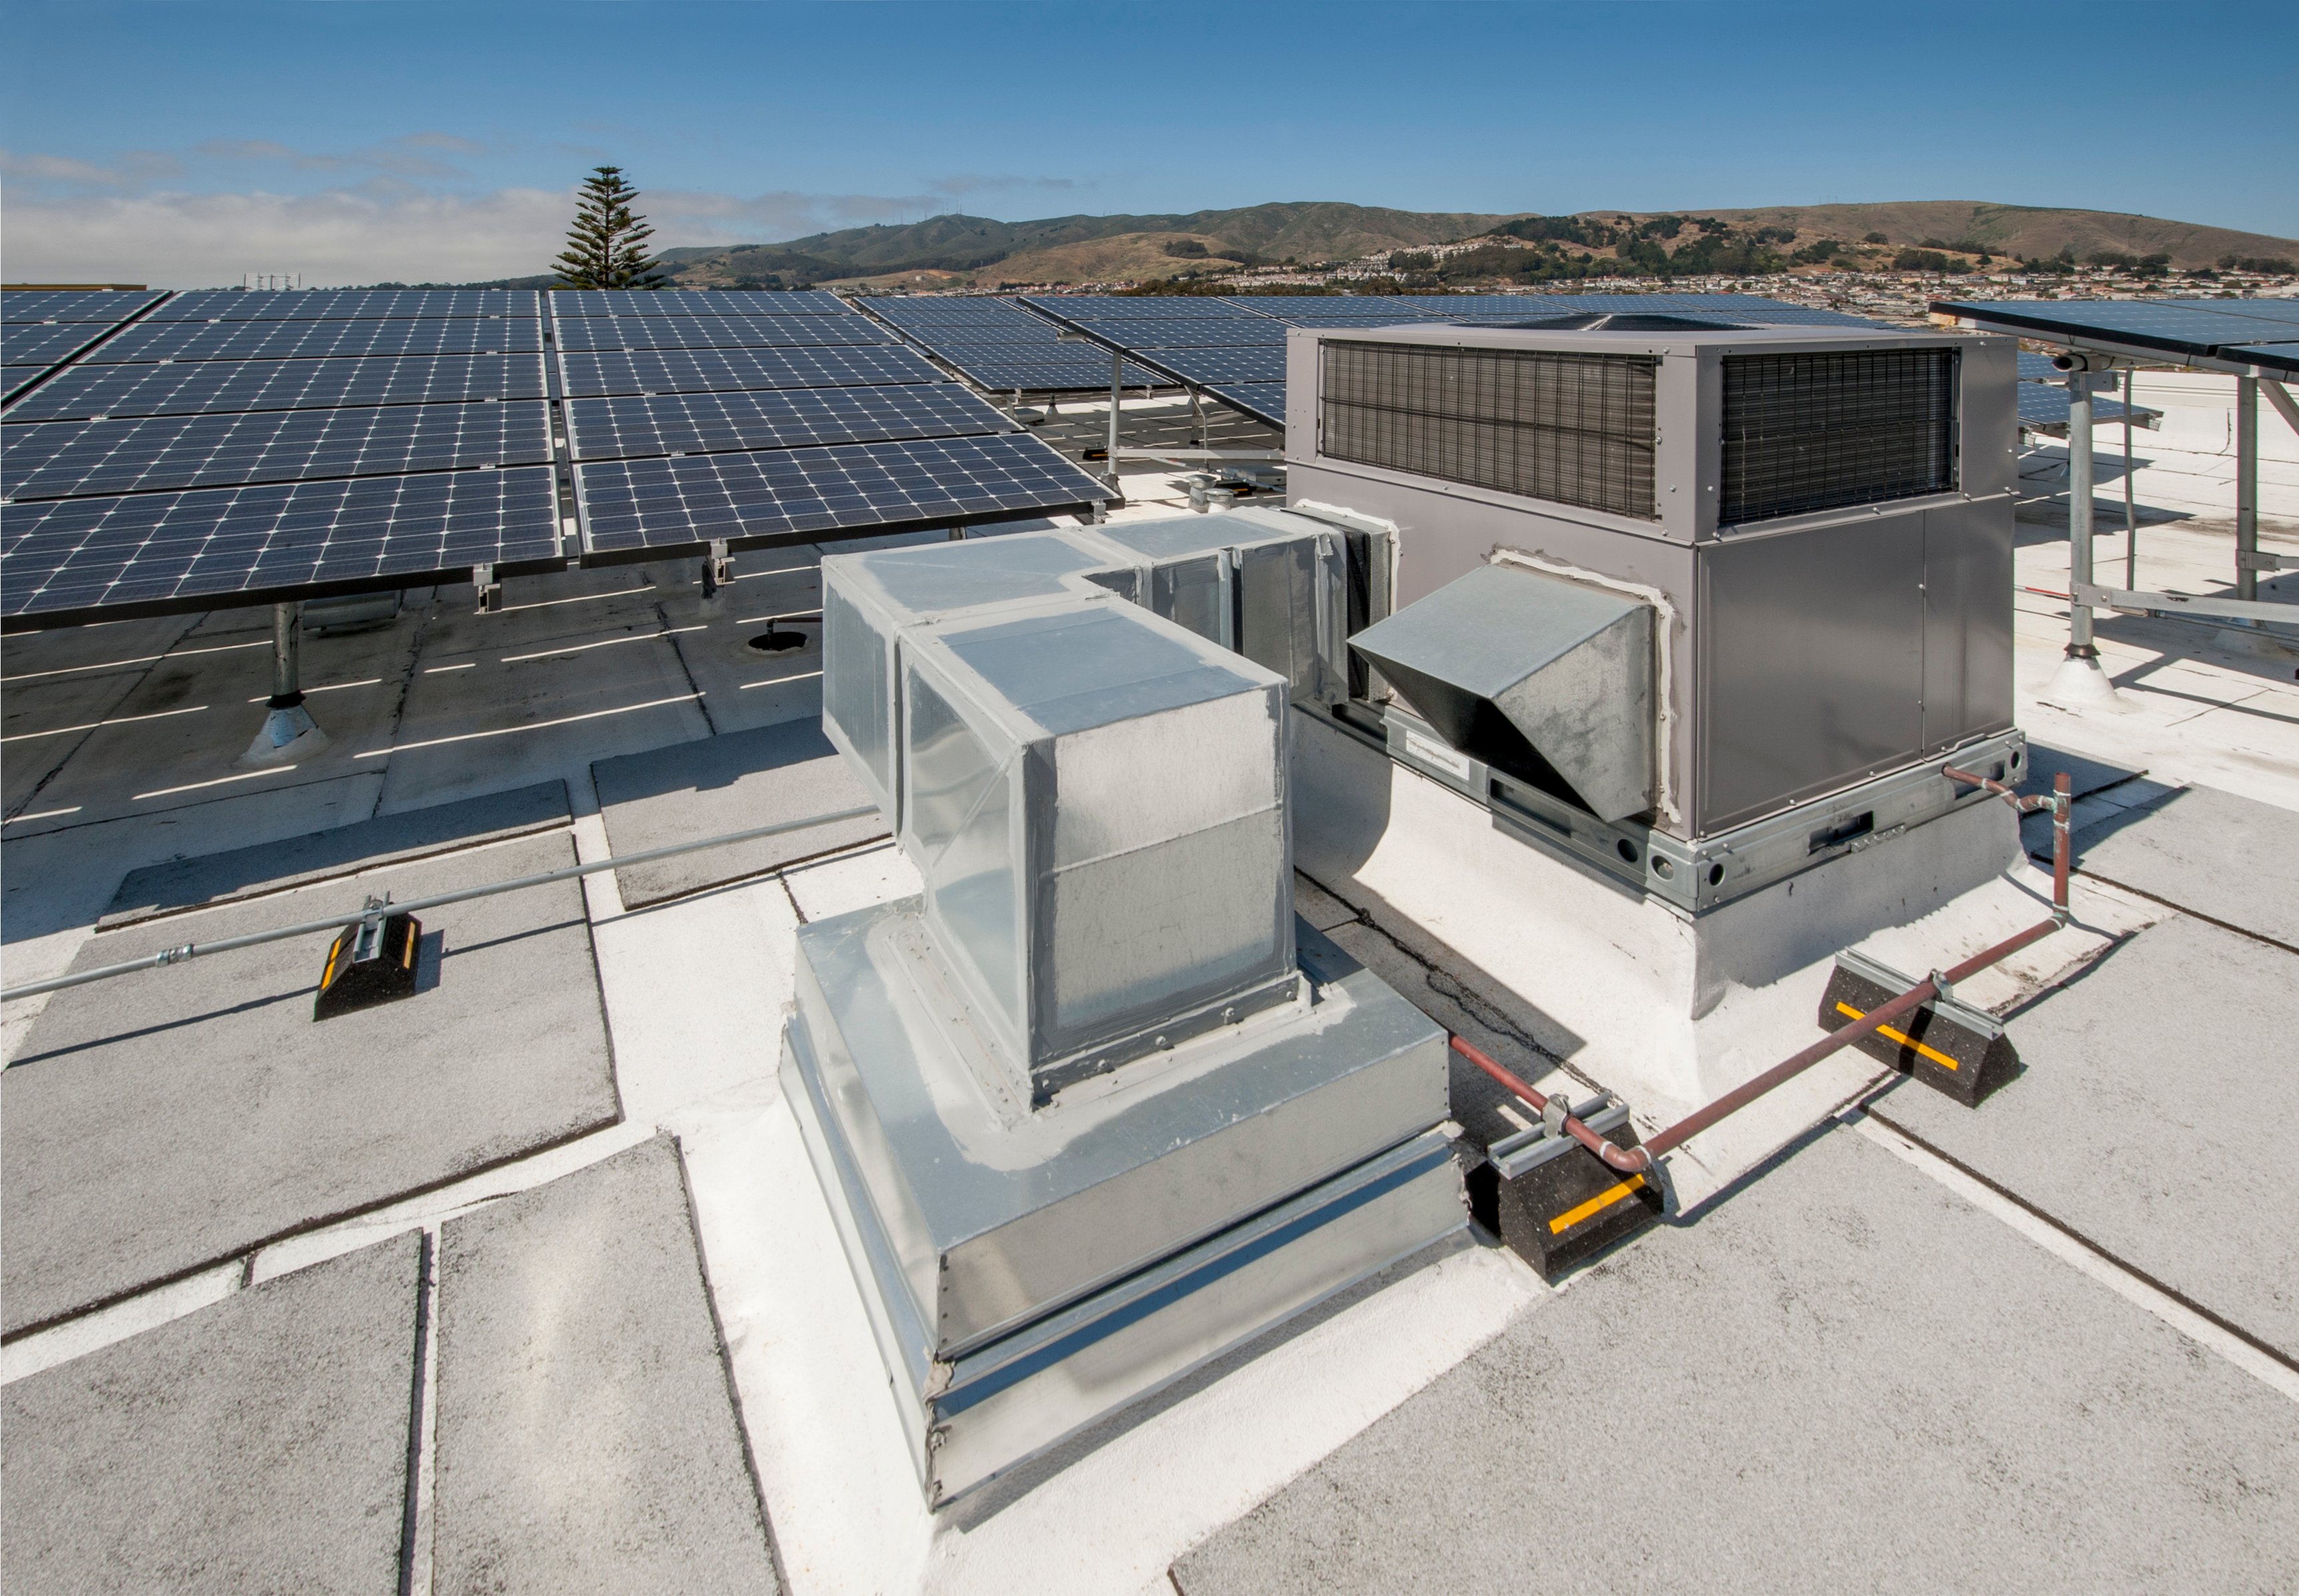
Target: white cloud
(383, 232)
(134, 170)
(381, 226)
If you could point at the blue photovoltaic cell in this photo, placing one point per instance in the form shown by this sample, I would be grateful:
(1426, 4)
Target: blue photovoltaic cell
(1003, 371)
(642, 507)
(790, 417)
(1239, 333)
(996, 345)
(2283, 356)
(199, 387)
(2283, 311)
(742, 370)
(346, 304)
(981, 307)
(1209, 366)
(715, 332)
(2198, 328)
(1354, 319)
(318, 339)
(85, 459)
(2038, 368)
(105, 307)
(1265, 400)
(81, 558)
(36, 344)
(698, 302)
(1079, 307)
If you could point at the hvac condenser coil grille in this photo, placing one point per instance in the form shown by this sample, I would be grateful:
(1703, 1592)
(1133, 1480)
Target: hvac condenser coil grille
(1810, 432)
(1574, 429)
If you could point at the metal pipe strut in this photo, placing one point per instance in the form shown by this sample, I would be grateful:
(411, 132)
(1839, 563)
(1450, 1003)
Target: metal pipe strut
(1641, 1160)
(190, 950)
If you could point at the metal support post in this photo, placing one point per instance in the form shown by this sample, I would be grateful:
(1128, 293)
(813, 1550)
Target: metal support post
(287, 735)
(2246, 489)
(2130, 512)
(2080, 645)
(2079, 680)
(1116, 397)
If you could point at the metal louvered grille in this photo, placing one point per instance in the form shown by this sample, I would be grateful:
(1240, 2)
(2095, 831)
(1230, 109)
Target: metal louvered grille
(1573, 429)
(1810, 432)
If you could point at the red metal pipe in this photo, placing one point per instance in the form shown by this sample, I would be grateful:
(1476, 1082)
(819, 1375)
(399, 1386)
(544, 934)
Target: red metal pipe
(1639, 1160)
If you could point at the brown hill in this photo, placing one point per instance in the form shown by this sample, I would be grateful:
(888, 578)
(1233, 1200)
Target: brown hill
(973, 251)
(2030, 230)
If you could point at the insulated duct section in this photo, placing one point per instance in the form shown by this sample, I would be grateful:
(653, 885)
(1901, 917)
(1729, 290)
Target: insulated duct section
(1539, 677)
(1095, 1106)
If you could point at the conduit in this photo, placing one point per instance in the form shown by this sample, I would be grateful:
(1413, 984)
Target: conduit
(176, 955)
(1641, 1160)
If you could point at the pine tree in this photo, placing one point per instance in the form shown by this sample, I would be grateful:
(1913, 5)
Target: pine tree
(606, 248)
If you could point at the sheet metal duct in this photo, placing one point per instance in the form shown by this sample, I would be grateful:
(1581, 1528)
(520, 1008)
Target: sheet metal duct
(1545, 679)
(1095, 1106)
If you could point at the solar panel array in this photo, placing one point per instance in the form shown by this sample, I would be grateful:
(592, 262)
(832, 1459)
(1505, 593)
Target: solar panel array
(2244, 332)
(1233, 347)
(349, 304)
(242, 447)
(759, 427)
(245, 446)
(41, 328)
(995, 343)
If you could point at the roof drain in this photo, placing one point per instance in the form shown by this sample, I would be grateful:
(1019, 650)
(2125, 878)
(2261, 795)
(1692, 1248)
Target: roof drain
(1921, 1029)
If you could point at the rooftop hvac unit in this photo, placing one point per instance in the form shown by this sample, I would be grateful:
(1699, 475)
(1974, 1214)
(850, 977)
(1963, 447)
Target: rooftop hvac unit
(1660, 581)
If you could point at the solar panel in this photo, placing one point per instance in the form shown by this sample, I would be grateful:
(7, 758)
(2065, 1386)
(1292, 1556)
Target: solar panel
(107, 306)
(715, 332)
(693, 423)
(41, 343)
(152, 553)
(12, 378)
(1209, 332)
(698, 302)
(2282, 356)
(740, 370)
(2283, 311)
(319, 339)
(1210, 366)
(2037, 368)
(982, 308)
(1263, 400)
(1045, 369)
(1073, 307)
(199, 387)
(642, 508)
(1309, 318)
(53, 460)
(346, 304)
(2191, 328)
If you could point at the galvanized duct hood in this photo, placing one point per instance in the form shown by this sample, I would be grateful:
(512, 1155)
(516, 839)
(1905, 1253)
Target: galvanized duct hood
(1542, 677)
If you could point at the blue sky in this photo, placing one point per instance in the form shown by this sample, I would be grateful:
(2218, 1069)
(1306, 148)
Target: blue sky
(187, 142)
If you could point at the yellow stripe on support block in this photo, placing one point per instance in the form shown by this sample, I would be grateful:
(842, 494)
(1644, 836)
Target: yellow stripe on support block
(1595, 1205)
(1933, 1054)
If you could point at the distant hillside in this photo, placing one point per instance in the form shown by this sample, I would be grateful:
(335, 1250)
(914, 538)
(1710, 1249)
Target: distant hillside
(978, 252)
(968, 245)
(2031, 231)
